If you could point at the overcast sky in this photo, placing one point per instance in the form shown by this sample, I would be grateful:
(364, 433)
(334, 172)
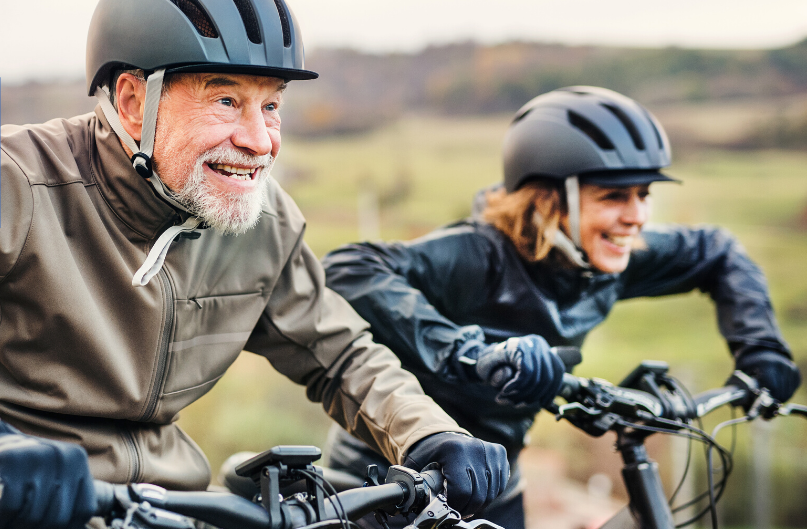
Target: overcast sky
(45, 38)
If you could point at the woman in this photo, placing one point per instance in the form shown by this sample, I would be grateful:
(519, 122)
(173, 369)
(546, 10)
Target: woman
(554, 249)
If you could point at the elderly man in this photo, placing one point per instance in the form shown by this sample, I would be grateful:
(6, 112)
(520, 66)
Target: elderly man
(145, 245)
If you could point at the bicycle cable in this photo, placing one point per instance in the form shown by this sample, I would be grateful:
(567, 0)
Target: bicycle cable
(689, 445)
(320, 482)
(700, 436)
(727, 466)
(684, 474)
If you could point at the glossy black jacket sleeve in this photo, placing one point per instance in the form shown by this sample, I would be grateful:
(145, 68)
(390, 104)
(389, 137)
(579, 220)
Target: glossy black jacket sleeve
(680, 259)
(403, 289)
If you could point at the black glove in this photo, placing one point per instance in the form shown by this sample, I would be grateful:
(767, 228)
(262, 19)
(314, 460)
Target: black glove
(774, 371)
(45, 484)
(475, 471)
(525, 369)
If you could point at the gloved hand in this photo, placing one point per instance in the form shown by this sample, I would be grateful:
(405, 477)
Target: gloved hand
(524, 368)
(475, 471)
(45, 484)
(774, 371)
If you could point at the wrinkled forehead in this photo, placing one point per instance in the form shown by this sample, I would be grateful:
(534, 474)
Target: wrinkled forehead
(209, 81)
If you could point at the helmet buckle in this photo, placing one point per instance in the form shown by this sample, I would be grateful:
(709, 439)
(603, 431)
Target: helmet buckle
(142, 164)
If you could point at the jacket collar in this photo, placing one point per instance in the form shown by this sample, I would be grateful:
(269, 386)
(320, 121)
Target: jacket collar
(127, 193)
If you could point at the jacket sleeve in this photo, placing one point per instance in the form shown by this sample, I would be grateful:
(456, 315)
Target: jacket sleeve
(16, 212)
(680, 259)
(314, 337)
(402, 290)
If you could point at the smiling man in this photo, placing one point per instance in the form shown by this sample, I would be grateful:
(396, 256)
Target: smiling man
(145, 245)
(226, 129)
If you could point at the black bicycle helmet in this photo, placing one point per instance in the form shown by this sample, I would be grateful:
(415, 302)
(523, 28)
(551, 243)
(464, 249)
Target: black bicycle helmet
(583, 134)
(259, 37)
(596, 134)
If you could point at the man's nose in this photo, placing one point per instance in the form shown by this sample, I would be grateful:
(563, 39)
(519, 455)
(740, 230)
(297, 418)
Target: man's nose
(252, 133)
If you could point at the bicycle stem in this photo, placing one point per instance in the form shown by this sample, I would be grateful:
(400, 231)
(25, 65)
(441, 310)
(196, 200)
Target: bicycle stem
(648, 503)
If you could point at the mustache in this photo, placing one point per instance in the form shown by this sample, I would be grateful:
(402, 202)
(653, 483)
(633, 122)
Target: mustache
(226, 156)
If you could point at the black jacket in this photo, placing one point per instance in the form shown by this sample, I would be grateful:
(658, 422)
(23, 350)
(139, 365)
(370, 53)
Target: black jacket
(424, 297)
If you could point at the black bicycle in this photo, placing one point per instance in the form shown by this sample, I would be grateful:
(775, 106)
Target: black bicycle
(416, 495)
(650, 401)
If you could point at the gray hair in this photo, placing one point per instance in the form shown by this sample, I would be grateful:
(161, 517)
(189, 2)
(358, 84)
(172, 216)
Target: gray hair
(140, 75)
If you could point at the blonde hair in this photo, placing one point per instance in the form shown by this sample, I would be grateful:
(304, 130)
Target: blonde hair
(529, 216)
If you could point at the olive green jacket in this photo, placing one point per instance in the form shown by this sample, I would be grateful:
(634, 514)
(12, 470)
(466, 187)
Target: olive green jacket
(86, 357)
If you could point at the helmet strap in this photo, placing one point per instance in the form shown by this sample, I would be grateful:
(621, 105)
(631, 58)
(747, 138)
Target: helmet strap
(141, 157)
(565, 245)
(571, 248)
(573, 208)
(141, 162)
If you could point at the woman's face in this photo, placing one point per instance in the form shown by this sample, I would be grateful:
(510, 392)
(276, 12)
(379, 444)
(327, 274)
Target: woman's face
(610, 221)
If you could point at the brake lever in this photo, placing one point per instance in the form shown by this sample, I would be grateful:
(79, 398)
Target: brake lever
(764, 406)
(478, 524)
(793, 409)
(436, 513)
(439, 514)
(575, 409)
(144, 516)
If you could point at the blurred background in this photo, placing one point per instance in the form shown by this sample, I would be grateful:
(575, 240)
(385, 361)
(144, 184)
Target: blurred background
(404, 126)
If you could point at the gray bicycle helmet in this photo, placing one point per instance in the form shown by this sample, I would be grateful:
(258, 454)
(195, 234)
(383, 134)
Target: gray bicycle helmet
(584, 134)
(258, 37)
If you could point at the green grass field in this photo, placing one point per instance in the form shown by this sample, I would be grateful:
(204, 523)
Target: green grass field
(426, 171)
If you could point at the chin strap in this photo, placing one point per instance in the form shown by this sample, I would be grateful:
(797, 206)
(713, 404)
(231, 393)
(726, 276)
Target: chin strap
(573, 207)
(141, 161)
(571, 247)
(565, 245)
(156, 257)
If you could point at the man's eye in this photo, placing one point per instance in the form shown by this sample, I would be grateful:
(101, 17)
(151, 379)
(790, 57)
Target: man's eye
(271, 107)
(227, 101)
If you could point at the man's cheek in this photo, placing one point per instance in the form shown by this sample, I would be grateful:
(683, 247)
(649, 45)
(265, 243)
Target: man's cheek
(275, 143)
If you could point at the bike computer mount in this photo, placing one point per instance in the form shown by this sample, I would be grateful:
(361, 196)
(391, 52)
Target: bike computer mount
(281, 466)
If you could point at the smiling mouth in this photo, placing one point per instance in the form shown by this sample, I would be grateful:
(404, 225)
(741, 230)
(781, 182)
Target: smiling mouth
(622, 241)
(236, 173)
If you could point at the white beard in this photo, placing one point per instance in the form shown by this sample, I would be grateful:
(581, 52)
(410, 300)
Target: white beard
(228, 213)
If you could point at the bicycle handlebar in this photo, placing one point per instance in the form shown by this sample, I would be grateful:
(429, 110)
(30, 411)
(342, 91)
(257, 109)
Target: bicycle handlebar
(649, 394)
(227, 510)
(649, 401)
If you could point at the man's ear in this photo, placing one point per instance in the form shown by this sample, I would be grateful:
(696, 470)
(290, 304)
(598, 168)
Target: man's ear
(130, 93)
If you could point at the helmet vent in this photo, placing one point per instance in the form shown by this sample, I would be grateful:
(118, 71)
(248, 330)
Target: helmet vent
(591, 130)
(250, 20)
(521, 116)
(655, 131)
(198, 17)
(284, 22)
(638, 142)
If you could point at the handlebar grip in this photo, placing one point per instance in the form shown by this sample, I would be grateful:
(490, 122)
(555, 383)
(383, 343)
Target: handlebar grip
(501, 376)
(434, 479)
(105, 496)
(570, 387)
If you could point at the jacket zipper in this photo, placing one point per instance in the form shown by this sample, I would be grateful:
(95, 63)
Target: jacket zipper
(134, 453)
(162, 358)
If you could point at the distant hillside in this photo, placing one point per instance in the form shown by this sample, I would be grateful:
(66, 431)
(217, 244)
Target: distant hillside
(357, 91)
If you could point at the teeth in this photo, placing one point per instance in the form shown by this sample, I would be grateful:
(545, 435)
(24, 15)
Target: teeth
(239, 173)
(619, 240)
